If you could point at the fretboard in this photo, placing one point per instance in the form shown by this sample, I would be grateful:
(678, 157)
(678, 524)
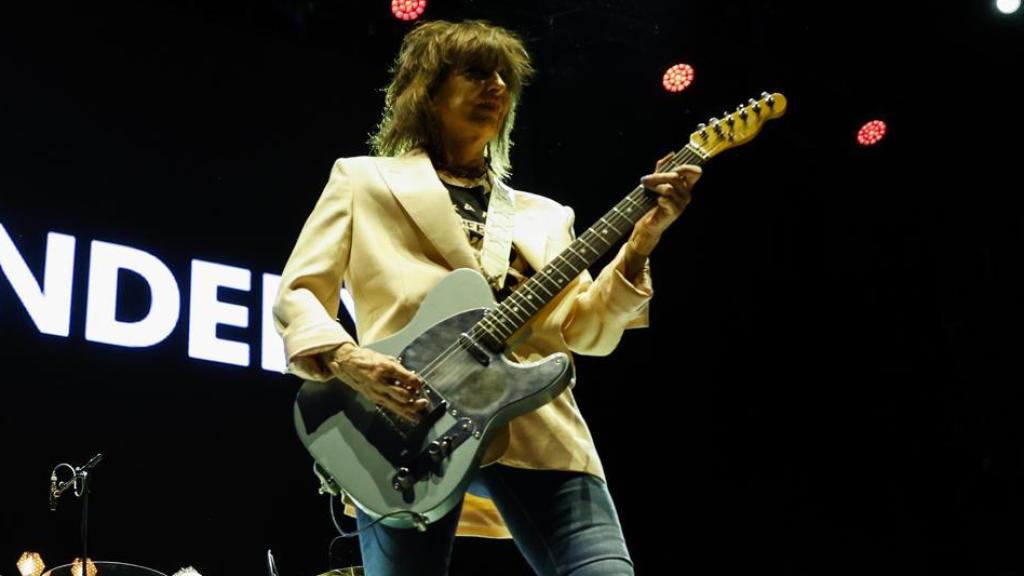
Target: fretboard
(522, 305)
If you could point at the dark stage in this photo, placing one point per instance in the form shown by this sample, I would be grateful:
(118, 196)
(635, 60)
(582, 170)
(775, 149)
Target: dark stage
(831, 383)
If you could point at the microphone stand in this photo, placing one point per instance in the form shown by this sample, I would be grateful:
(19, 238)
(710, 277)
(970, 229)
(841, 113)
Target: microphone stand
(80, 481)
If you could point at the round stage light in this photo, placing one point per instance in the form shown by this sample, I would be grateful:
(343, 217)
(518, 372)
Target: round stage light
(871, 133)
(408, 9)
(1008, 6)
(678, 78)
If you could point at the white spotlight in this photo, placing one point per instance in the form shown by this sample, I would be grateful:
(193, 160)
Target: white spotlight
(1008, 6)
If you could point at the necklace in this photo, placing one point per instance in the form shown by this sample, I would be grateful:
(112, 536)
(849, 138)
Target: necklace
(464, 178)
(468, 173)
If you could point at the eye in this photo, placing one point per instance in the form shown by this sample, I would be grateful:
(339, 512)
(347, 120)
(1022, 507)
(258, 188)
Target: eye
(476, 73)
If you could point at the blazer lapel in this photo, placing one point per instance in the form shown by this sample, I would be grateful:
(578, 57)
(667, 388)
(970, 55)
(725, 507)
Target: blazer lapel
(413, 182)
(530, 241)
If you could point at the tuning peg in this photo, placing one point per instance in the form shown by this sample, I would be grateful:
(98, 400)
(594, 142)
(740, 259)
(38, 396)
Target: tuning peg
(730, 120)
(769, 99)
(755, 105)
(742, 111)
(703, 130)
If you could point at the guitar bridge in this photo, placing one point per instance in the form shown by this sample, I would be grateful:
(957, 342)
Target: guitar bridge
(429, 459)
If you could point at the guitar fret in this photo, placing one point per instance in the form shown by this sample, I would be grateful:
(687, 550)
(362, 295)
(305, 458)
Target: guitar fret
(581, 239)
(556, 282)
(531, 294)
(609, 225)
(525, 305)
(496, 320)
(560, 273)
(634, 202)
(502, 317)
(638, 208)
(487, 320)
(540, 283)
(617, 212)
(489, 333)
(577, 249)
(578, 255)
(512, 310)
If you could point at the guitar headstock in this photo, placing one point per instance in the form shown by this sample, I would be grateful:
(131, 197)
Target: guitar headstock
(739, 127)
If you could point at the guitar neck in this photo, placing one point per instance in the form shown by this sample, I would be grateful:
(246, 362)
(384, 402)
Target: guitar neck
(522, 305)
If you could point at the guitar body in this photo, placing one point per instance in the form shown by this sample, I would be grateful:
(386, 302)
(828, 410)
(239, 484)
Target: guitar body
(475, 391)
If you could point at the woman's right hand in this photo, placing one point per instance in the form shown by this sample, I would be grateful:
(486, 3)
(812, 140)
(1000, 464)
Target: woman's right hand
(378, 377)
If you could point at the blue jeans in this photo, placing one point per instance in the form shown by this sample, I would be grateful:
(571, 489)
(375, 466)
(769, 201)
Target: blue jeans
(563, 523)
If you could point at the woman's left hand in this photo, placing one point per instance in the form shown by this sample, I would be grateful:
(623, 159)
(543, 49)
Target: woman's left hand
(673, 189)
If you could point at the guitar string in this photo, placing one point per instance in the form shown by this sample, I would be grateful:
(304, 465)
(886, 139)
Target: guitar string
(683, 156)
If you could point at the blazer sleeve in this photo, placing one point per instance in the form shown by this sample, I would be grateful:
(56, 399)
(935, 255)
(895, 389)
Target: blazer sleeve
(306, 306)
(594, 312)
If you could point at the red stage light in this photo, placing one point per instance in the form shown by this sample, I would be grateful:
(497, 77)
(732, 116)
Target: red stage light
(408, 9)
(871, 133)
(678, 77)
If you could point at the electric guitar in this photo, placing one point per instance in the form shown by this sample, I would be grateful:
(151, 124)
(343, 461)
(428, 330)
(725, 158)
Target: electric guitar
(407, 474)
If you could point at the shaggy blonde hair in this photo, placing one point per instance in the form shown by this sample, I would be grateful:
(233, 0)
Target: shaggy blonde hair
(429, 53)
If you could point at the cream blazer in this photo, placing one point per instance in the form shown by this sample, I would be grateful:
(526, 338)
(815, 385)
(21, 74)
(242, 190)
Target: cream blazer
(387, 229)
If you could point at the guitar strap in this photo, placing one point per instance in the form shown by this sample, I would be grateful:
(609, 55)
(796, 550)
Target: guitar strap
(497, 242)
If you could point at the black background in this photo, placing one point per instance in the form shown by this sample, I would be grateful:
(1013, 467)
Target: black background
(831, 382)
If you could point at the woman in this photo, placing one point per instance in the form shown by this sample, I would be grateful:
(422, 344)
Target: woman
(392, 225)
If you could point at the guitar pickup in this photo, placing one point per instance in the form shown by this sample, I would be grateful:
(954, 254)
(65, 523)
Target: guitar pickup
(478, 353)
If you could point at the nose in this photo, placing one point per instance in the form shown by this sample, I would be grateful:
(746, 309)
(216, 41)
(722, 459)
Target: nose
(496, 83)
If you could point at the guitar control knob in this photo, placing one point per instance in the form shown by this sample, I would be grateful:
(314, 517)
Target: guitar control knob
(403, 479)
(440, 449)
(436, 451)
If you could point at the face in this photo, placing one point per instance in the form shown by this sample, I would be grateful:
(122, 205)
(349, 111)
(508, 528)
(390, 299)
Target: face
(471, 104)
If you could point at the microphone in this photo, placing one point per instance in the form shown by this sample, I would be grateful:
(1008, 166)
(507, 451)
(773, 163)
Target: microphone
(53, 492)
(92, 462)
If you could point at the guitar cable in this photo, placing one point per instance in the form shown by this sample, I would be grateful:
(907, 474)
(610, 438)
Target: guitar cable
(418, 519)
